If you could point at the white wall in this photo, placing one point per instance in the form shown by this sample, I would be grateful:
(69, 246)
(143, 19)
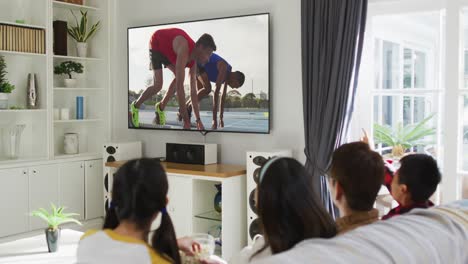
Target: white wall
(286, 85)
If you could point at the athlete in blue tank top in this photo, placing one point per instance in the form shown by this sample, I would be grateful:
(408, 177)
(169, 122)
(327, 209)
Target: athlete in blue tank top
(218, 71)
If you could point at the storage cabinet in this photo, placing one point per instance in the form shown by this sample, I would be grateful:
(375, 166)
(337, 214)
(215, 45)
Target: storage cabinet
(76, 185)
(72, 189)
(43, 190)
(94, 207)
(14, 207)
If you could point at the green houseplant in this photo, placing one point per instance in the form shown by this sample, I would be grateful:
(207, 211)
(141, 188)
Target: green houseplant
(81, 33)
(5, 87)
(54, 219)
(67, 68)
(402, 137)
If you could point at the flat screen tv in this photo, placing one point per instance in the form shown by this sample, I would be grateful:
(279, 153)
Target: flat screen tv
(207, 75)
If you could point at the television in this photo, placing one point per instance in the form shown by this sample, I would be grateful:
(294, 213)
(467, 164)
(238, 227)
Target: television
(225, 85)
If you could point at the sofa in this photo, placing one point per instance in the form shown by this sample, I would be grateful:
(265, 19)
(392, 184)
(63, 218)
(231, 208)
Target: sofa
(423, 236)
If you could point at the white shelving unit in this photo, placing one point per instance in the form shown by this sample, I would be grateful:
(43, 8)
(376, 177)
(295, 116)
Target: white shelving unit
(43, 136)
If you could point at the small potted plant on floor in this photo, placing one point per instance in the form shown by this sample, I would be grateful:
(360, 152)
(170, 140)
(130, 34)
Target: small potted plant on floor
(54, 219)
(402, 138)
(5, 87)
(81, 33)
(67, 68)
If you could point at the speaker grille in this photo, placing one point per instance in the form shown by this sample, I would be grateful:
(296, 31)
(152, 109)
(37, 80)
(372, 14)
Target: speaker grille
(254, 228)
(252, 202)
(111, 150)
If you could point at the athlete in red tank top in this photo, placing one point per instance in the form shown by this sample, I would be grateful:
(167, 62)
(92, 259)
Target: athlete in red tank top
(162, 41)
(174, 49)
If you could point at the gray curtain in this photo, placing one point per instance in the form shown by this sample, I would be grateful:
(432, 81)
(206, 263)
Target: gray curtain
(332, 40)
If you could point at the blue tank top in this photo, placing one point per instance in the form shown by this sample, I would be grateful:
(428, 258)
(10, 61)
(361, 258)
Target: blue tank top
(211, 67)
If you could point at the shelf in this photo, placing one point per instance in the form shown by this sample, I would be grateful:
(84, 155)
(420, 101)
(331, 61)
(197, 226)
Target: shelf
(22, 53)
(23, 111)
(77, 89)
(58, 4)
(77, 121)
(90, 155)
(4, 162)
(21, 25)
(212, 215)
(76, 58)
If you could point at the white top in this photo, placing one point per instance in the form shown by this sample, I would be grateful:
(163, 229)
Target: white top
(109, 247)
(438, 235)
(245, 256)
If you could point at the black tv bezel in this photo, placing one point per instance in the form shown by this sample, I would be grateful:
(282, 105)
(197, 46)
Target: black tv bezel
(194, 130)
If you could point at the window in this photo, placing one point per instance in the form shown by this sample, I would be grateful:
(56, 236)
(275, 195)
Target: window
(401, 96)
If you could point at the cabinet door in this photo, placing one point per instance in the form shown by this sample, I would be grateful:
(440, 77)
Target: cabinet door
(14, 201)
(180, 204)
(43, 190)
(72, 187)
(94, 196)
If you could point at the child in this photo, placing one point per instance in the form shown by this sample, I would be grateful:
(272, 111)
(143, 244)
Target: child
(139, 194)
(413, 183)
(288, 209)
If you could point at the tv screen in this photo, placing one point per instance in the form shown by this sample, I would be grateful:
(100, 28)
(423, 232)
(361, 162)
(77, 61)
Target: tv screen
(207, 75)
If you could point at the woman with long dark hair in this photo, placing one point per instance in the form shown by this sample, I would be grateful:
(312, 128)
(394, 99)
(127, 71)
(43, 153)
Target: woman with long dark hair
(289, 211)
(139, 195)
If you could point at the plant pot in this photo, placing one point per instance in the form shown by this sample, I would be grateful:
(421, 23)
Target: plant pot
(70, 83)
(52, 237)
(3, 101)
(82, 49)
(398, 151)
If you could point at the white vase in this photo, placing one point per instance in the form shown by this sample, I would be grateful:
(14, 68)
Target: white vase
(82, 49)
(70, 83)
(3, 101)
(70, 143)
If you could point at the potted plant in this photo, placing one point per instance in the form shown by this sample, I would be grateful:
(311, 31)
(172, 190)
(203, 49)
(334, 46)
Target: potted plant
(5, 87)
(67, 68)
(54, 219)
(402, 137)
(81, 33)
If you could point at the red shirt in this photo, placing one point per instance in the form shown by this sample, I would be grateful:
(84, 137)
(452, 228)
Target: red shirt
(163, 39)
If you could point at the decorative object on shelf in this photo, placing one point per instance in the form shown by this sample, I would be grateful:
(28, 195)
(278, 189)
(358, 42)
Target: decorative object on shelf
(81, 33)
(79, 107)
(71, 143)
(64, 114)
(67, 68)
(32, 91)
(5, 87)
(13, 141)
(16, 107)
(217, 199)
(402, 137)
(22, 39)
(54, 219)
(60, 38)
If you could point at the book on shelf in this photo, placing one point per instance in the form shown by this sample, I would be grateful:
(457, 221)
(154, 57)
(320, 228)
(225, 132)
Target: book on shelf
(22, 39)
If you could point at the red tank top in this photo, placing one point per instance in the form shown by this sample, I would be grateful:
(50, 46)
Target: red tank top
(162, 41)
